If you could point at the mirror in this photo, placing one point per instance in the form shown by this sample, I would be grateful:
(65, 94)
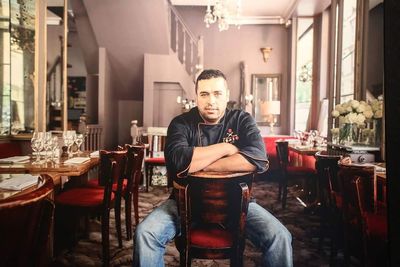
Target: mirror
(17, 66)
(56, 66)
(266, 98)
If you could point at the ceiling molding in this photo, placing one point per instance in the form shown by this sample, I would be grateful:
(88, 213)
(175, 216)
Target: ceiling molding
(254, 20)
(290, 10)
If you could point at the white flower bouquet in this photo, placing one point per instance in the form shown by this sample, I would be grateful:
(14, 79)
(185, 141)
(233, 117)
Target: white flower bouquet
(354, 115)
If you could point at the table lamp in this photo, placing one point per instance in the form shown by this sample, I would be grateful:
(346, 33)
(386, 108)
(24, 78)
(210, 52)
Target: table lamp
(269, 110)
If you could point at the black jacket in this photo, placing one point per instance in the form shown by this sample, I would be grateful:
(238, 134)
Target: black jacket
(189, 130)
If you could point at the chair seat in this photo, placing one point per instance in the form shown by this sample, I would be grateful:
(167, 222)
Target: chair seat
(299, 170)
(376, 225)
(211, 237)
(82, 197)
(94, 183)
(155, 160)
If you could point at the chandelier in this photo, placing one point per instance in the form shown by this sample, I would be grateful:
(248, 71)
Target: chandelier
(220, 13)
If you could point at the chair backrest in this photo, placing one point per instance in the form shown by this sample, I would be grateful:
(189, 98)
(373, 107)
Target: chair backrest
(349, 175)
(282, 151)
(112, 170)
(327, 167)
(135, 156)
(25, 224)
(221, 202)
(156, 145)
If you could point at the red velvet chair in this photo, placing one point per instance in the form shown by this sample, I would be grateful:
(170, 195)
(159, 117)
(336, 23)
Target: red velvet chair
(288, 172)
(130, 186)
(365, 229)
(131, 192)
(156, 145)
(99, 200)
(330, 198)
(25, 227)
(213, 217)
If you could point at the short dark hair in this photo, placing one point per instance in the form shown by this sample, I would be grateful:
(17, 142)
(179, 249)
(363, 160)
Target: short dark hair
(209, 74)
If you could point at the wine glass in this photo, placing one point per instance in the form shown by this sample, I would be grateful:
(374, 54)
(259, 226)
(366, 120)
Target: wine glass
(54, 146)
(68, 141)
(47, 144)
(78, 141)
(37, 144)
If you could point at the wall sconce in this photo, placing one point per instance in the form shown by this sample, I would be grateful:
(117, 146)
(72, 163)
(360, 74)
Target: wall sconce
(269, 110)
(248, 99)
(266, 51)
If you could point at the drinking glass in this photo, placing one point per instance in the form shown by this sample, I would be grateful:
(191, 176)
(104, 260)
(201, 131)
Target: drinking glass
(79, 140)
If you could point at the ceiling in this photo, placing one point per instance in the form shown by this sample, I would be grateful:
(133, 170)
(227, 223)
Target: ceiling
(270, 11)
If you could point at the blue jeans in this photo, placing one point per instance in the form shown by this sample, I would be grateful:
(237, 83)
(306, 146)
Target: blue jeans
(162, 225)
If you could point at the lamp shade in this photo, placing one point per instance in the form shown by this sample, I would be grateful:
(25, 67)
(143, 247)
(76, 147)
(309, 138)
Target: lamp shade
(272, 107)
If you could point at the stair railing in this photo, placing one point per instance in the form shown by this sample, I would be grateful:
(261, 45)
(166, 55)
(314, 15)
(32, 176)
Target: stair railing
(187, 47)
(93, 137)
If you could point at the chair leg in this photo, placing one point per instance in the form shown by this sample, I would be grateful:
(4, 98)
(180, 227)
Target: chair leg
(237, 260)
(147, 171)
(105, 238)
(184, 259)
(117, 209)
(128, 215)
(280, 190)
(284, 195)
(136, 204)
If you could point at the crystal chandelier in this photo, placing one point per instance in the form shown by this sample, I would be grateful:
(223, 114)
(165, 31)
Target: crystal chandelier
(220, 13)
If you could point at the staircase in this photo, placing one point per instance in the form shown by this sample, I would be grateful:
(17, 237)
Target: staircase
(181, 66)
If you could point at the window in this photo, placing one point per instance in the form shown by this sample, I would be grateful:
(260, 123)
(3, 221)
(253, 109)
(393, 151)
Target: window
(348, 49)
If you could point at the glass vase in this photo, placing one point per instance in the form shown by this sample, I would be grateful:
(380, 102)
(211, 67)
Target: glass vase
(348, 134)
(376, 132)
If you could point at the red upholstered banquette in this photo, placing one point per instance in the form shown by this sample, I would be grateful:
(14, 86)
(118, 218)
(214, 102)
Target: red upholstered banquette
(10, 150)
(269, 141)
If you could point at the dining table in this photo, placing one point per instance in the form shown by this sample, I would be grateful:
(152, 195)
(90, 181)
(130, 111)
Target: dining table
(55, 168)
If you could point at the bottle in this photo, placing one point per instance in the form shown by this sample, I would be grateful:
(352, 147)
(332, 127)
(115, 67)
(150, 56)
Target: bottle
(134, 132)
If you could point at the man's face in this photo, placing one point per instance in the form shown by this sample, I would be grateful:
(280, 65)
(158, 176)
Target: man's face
(212, 98)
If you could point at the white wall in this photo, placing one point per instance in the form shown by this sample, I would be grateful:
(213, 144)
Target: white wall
(167, 69)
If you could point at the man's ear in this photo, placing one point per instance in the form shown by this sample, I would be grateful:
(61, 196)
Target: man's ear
(228, 93)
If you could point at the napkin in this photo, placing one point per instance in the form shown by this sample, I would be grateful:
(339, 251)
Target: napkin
(14, 159)
(18, 181)
(95, 154)
(376, 165)
(76, 160)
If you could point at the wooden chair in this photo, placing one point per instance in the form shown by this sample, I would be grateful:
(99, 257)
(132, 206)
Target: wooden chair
(25, 227)
(131, 192)
(365, 230)
(288, 172)
(156, 145)
(327, 167)
(100, 200)
(213, 217)
(130, 186)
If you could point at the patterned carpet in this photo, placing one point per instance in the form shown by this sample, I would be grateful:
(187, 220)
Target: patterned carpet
(303, 227)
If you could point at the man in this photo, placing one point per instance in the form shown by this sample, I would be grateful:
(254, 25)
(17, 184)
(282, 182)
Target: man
(210, 137)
